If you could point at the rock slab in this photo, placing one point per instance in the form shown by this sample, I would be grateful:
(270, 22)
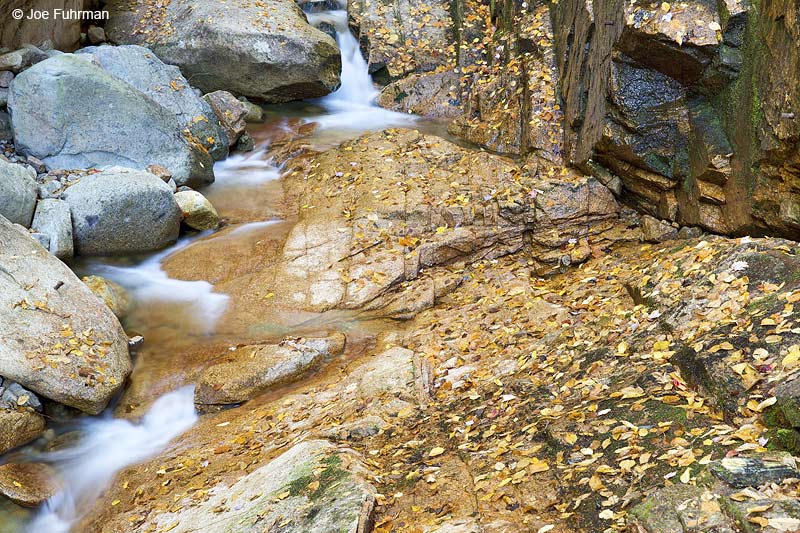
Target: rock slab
(326, 492)
(251, 370)
(56, 338)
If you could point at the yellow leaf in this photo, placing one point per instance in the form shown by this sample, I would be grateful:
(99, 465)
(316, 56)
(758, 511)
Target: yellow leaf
(538, 465)
(661, 346)
(436, 452)
(793, 357)
(686, 476)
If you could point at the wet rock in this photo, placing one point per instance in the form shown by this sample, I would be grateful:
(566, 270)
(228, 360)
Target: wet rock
(428, 94)
(96, 34)
(140, 68)
(662, 107)
(5, 79)
(93, 118)
(120, 211)
(112, 294)
(245, 143)
(28, 484)
(266, 51)
(197, 211)
(255, 113)
(13, 395)
(326, 488)
(17, 194)
(251, 370)
(53, 218)
(396, 38)
(755, 471)
(507, 110)
(654, 230)
(43, 305)
(230, 112)
(19, 426)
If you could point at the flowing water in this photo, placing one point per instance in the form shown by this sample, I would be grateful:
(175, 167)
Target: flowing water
(107, 445)
(172, 313)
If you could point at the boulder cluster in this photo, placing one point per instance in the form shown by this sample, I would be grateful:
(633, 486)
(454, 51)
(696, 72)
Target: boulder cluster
(105, 134)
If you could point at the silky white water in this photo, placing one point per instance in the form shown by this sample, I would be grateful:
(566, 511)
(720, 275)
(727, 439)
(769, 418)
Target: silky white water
(352, 106)
(149, 284)
(108, 445)
(243, 170)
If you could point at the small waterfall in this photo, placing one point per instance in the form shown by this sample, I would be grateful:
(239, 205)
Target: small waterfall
(352, 106)
(356, 88)
(107, 446)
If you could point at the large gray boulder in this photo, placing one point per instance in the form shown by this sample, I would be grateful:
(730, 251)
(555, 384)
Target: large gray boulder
(122, 211)
(17, 193)
(57, 339)
(264, 50)
(70, 113)
(139, 67)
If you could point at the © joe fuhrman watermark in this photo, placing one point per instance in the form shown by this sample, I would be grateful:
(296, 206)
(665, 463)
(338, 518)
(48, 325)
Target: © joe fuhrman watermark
(59, 14)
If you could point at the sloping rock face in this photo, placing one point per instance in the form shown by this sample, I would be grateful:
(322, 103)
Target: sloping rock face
(310, 487)
(64, 33)
(678, 104)
(251, 370)
(263, 50)
(671, 100)
(70, 113)
(385, 207)
(57, 338)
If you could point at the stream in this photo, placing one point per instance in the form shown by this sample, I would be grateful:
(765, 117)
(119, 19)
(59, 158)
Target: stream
(174, 313)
